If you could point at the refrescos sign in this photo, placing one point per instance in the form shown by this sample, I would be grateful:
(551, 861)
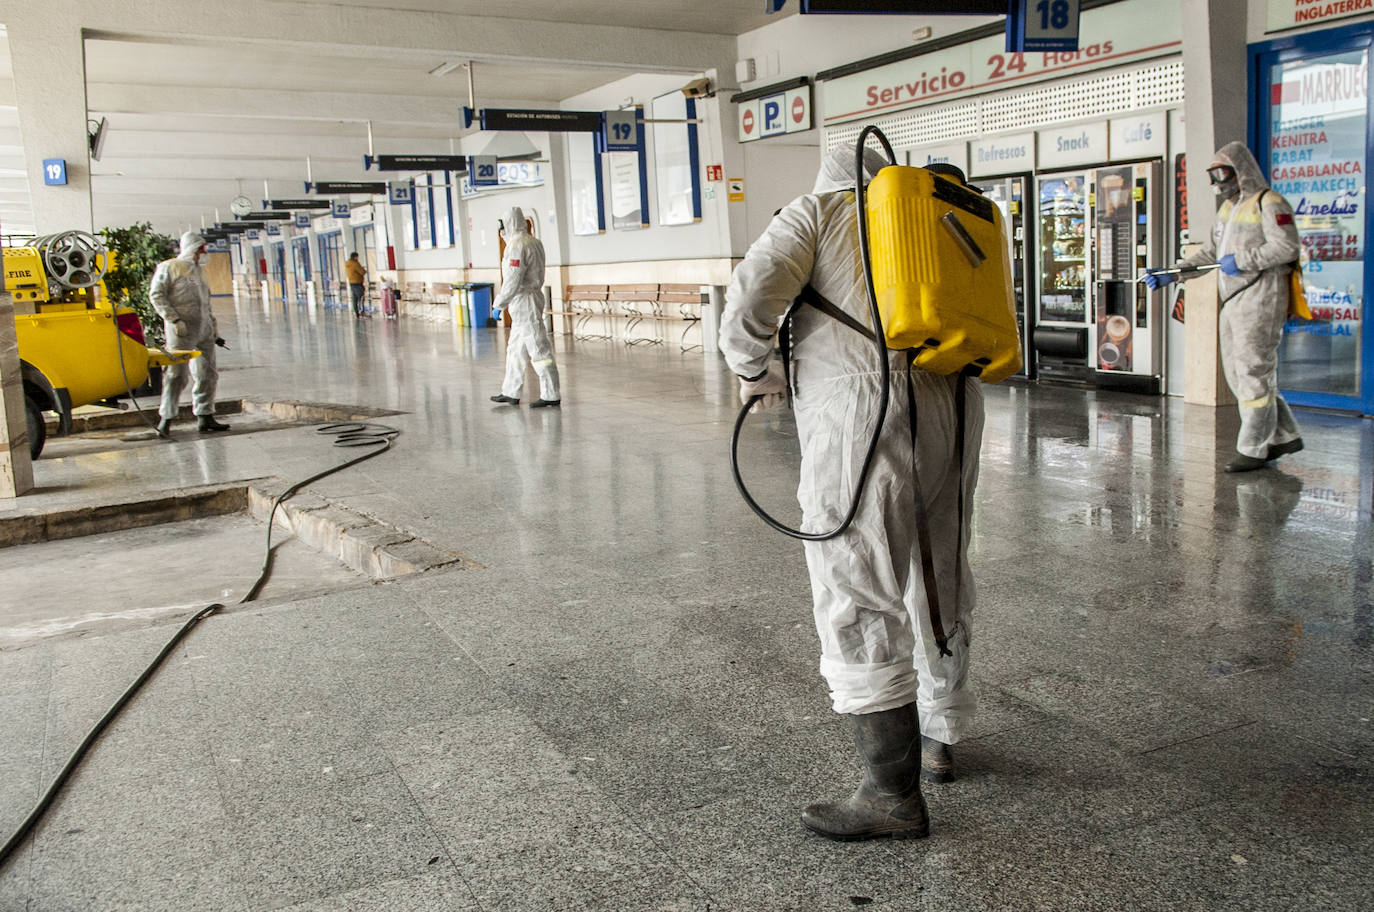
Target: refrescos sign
(1110, 35)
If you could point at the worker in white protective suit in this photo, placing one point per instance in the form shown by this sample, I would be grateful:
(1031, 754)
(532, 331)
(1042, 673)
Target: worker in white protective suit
(1256, 245)
(180, 294)
(522, 290)
(906, 703)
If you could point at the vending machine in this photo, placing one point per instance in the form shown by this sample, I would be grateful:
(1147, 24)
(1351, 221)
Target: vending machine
(1009, 193)
(1062, 303)
(1127, 330)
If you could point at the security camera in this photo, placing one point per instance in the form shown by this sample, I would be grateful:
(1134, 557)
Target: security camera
(697, 88)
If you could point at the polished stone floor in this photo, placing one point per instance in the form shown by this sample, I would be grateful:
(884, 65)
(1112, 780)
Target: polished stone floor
(620, 710)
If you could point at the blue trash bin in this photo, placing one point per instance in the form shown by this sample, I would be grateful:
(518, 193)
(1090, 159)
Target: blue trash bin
(479, 298)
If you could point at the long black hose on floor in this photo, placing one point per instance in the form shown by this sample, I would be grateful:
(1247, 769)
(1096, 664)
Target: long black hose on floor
(346, 434)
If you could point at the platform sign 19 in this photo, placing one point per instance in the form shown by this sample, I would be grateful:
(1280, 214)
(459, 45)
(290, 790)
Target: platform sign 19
(484, 171)
(55, 172)
(1043, 25)
(622, 131)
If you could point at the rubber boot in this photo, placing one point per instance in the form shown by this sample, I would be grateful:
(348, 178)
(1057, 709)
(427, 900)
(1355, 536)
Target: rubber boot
(888, 801)
(207, 424)
(1243, 463)
(164, 428)
(937, 761)
(1283, 449)
(504, 398)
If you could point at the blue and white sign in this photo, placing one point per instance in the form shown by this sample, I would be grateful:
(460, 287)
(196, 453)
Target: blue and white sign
(400, 193)
(1070, 146)
(508, 174)
(773, 115)
(219, 246)
(1002, 155)
(302, 220)
(1043, 25)
(622, 131)
(1139, 136)
(273, 230)
(55, 172)
(483, 171)
(955, 154)
(254, 234)
(340, 209)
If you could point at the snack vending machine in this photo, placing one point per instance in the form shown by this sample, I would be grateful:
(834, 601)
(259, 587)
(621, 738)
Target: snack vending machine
(1009, 193)
(1062, 302)
(1127, 330)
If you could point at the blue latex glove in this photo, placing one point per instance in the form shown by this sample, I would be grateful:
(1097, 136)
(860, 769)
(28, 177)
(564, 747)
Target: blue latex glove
(1228, 264)
(1157, 280)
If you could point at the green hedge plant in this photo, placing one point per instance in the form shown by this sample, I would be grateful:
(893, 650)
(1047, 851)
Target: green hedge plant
(137, 249)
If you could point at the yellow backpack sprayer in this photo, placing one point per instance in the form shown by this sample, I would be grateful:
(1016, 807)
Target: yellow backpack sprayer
(937, 271)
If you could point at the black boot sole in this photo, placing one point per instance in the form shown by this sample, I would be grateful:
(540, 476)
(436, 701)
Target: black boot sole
(921, 832)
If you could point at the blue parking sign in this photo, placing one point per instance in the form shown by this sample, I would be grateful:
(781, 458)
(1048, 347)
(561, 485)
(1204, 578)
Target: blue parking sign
(55, 172)
(773, 115)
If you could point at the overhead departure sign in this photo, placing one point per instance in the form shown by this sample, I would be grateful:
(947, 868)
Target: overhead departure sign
(908, 7)
(416, 162)
(269, 216)
(306, 203)
(533, 119)
(326, 188)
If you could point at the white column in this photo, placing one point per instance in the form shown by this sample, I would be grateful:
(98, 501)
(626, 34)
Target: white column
(48, 56)
(1214, 108)
(16, 469)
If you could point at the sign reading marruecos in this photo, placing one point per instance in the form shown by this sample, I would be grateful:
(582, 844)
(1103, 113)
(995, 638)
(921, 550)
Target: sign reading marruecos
(1109, 35)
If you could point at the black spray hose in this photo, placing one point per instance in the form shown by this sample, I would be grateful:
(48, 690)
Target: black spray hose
(884, 368)
(351, 434)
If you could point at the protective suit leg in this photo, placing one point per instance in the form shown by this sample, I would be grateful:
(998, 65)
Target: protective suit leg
(548, 380)
(878, 649)
(516, 361)
(205, 378)
(888, 801)
(173, 382)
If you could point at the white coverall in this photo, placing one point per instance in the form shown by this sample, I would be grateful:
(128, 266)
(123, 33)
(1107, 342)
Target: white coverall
(1257, 227)
(522, 291)
(878, 651)
(181, 295)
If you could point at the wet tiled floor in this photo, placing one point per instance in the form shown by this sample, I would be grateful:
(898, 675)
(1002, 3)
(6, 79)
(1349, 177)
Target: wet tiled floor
(621, 710)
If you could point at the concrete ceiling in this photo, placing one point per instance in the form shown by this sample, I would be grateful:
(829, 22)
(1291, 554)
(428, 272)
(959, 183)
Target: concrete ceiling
(193, 122)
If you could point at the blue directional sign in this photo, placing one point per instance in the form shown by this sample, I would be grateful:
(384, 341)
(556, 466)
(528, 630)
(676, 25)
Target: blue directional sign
(400, 193)
(1042, 25)
(302, 220)
(482, 170)
(341, 209)
(55, 172)
(622, 131)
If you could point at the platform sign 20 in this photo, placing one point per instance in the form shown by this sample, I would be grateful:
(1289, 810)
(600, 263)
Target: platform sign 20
(484, 171)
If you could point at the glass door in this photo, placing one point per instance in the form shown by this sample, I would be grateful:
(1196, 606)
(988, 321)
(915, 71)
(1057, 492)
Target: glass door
(1312, 116)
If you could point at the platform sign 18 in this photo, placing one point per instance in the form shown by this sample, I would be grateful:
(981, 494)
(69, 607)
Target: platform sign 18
(55, 172)
(1043, 25)
(622, 131)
